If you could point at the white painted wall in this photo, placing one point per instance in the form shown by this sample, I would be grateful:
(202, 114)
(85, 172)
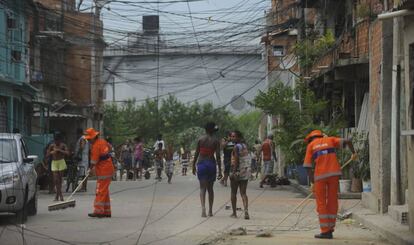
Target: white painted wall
(187, 76)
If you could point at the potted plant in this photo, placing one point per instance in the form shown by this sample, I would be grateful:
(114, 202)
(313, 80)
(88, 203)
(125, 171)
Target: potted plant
(358, 169)
(364, 167)
(361, 169)
(363, 11)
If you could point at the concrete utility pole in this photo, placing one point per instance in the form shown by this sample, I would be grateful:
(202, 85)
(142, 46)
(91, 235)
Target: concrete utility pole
(395, 114)
(158, 72)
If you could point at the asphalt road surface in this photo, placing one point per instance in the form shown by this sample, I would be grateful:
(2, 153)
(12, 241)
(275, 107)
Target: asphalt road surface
(152, 212)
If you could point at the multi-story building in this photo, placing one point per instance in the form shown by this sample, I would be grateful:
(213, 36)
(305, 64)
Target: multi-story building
(16, 93)
(66, 67)
(358, 55)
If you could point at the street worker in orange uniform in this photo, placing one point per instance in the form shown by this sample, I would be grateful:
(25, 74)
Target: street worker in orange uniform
(102, 167)
(322, 150)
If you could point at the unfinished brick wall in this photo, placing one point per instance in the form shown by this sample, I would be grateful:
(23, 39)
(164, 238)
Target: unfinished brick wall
(81, 29)
(56, 4)
(353, 44)
(284, 11)
(78, 74)
(287, 42)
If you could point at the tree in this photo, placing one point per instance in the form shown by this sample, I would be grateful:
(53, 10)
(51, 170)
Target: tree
(296, 119)
(248, 124)
(174, 118)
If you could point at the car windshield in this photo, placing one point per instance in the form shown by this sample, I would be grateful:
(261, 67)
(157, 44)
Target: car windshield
(8, 151)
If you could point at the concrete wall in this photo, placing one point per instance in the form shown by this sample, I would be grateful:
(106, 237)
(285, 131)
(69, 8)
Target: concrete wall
(188, 77)
(380, 111)
(407, 85)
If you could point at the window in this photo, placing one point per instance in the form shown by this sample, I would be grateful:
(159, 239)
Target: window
(278, 50)
(16, 55)
(24, 150)
(8, 151)
(11, 23)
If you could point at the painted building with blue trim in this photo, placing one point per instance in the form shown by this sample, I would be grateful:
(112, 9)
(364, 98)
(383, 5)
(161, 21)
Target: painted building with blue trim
(16, 93)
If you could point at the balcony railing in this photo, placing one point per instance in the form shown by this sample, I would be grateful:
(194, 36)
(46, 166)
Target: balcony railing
(352, 46)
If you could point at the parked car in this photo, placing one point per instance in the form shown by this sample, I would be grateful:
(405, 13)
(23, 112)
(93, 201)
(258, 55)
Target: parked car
(17, 177)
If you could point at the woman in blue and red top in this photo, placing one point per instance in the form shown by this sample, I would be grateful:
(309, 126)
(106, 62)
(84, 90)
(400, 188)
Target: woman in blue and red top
(322, 150)
(207, 146)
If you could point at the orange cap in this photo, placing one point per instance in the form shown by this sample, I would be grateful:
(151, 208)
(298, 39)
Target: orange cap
(314, 133)
(90, 133)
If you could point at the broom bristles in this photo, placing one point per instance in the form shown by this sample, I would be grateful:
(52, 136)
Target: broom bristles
(62, 205)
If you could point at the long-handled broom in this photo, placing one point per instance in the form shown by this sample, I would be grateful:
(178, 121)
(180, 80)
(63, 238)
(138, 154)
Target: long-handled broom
(69, 203)
(304, 200)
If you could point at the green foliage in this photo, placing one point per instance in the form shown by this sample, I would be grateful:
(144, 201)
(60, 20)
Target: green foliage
(310, 49)
(361, 168)
(187, 137)
(363, 10)
(248, 124)
(296, 119)
(129, 120)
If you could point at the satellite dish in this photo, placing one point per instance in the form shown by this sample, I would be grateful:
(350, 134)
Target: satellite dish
(238, 102)
(288, 61)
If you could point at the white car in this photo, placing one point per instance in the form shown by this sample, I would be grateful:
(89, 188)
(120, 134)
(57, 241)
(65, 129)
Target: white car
(17, 177)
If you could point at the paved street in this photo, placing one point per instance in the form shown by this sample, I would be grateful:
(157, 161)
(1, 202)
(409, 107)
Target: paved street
(174, 218)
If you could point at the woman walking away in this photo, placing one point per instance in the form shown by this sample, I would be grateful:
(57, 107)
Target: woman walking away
(138, 157)
(169, 162)
(58, 150)
(206, 169)
(240, 173)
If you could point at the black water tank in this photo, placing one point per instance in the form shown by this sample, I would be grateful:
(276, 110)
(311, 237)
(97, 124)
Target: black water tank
(151, 23)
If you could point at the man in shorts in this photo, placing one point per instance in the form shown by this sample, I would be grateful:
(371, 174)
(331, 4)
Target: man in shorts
(268, 159)
(169, 162)
(185, 159)
(58, 151)
(159, 154)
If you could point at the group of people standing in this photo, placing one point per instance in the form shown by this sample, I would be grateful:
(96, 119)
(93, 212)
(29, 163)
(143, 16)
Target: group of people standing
(259, 153)
(131, 159)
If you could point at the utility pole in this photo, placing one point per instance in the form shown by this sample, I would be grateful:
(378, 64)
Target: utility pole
(158, 72)
(113, 90)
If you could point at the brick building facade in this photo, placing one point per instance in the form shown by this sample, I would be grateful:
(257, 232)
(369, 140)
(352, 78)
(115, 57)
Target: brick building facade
(66, 65)
(366, 75)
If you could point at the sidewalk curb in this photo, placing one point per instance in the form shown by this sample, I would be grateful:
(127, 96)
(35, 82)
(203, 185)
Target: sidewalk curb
(388, 228)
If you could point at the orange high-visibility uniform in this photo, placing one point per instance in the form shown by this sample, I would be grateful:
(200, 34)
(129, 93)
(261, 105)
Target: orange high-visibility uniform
(100, 156)
(327, 171)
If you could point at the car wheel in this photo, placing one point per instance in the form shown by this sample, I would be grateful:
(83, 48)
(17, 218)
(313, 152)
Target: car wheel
(32, 205)
(21, 215)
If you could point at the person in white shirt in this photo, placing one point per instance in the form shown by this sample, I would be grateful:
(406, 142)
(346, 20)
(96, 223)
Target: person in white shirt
(159, 140)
